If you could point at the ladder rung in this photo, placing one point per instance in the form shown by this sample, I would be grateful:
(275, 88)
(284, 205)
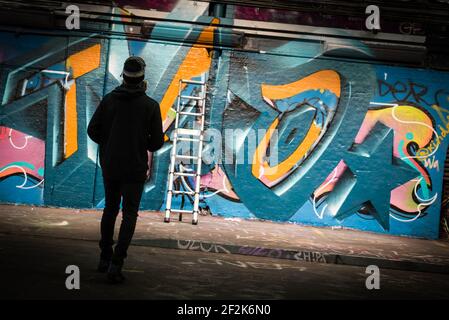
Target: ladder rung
(180, 156)
(189, 132)
(184, 174)
(188, 139)
(190, 113)
(192, 193)
(191, 97)
(181, 211)
(194, 82)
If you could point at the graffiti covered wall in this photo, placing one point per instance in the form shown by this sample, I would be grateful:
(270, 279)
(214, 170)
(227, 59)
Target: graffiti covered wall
(358, 145)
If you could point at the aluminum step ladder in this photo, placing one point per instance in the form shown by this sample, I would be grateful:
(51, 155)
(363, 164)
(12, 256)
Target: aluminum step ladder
(189, 135)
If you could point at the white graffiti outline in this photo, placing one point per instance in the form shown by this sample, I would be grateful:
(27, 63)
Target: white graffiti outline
(22, 186)
(424, 202)
(186, 185)
(414, 122)
(321, 215)
(63, 83)
(12, 143)
(224, 189)
(416, 192)
(67, 74)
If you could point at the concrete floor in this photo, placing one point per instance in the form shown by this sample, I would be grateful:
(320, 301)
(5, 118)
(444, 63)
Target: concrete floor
(217, 232)
(33, 267)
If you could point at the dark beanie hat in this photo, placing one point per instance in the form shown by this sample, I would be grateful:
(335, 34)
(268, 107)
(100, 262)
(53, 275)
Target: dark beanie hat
(134, 67)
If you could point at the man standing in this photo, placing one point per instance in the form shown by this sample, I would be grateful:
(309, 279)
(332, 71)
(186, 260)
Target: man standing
(126, 124)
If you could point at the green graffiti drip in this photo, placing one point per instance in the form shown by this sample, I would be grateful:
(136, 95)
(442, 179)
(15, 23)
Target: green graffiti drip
(20, 164)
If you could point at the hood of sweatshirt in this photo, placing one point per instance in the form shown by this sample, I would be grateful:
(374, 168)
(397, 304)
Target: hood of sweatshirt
(126, 91)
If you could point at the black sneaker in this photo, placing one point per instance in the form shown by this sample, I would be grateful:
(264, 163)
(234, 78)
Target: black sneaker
(103, 265)
(115, 273)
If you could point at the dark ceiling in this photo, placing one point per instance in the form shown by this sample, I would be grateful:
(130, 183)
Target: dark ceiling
(432, 15)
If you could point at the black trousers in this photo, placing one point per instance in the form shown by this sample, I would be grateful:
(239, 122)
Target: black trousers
(114, 192)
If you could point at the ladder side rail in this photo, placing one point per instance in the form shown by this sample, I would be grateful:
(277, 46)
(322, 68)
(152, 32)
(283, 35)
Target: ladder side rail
(172, 161)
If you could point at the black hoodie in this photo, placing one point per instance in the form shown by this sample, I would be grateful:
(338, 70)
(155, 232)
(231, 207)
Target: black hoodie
(126, 124)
